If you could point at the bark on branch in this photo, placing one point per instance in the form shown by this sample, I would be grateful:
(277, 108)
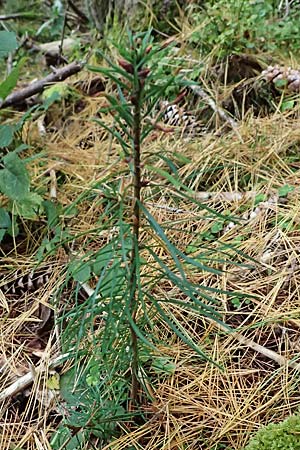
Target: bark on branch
(38, 86)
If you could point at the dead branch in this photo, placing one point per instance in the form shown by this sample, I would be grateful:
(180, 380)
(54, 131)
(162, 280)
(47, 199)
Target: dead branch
(39, 85)
(77, 11)
(280, 360)
(219, 111)
(50, 48)
(25, 381)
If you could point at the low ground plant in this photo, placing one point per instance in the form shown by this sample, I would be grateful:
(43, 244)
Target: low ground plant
(112, 378)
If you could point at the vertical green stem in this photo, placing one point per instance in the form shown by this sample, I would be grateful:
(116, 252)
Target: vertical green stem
(135, 232)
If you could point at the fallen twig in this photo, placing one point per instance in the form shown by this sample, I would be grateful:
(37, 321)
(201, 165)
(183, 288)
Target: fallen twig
(60, 48)
(39, 85)
(53, 185)
(281, 360)
(221, 113)
(25, 381)
(79, 13)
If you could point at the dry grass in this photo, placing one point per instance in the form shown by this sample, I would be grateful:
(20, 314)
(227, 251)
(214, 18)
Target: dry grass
(200, 405)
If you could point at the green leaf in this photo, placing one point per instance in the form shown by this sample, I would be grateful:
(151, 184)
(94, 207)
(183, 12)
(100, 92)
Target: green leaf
(281, 83)
(217, 227)
(260, 198)
(29, 207)
(22, 147)
(8, 43)
(287, 105)
(103, 258)
(59, 90)
(175, 182)
(182, 158)
(53, 211)
(49, 100)
(110, 73)
(163, 365)
(286, 189)
(137, 330)
(192, 248)
(80, 271)
(10, 82)
(171, 248)
(6, 135)
(122, 108)
(14, 179)
(63, 439)
(5, 221)
(53, 382)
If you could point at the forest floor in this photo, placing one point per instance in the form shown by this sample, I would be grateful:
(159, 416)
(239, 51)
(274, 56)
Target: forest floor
(249, 173)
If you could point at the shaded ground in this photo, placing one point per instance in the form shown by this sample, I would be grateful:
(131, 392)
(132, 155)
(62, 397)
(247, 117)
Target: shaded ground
(199, 406)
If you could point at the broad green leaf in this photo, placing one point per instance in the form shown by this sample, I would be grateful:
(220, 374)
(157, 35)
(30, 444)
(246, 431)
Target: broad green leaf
(29, 206)
(81, 271)
(49, 100)
(287, 105)
(286, 189)
(60, 90)
(5, 221)
(10, 82)
(163, 365)
(64, 438)
(13, 230)
(103, 258)
(260, 198)
(112, 280)
(53, 382)
(281, 83)
(6, 135)
(8, 43)
(53, 211)
(14, 179)
(217, 227)
(22, 147)
(192, 248)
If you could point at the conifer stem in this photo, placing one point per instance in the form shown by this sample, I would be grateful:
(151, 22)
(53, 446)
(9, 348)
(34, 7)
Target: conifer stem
(135, 233)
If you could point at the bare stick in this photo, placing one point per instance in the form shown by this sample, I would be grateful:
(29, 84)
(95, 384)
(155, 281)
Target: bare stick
(60, 49)
(77, 11)
(25, 381)
(281, 360)
(39, 86)
(53, 185)
(221, 113)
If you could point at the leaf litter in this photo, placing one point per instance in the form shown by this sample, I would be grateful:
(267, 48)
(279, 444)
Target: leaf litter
(197, 404)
